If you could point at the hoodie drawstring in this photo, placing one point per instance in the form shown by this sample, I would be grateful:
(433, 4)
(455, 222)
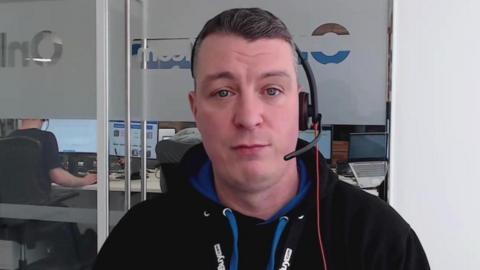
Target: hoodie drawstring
(227, 212)
(282, 223)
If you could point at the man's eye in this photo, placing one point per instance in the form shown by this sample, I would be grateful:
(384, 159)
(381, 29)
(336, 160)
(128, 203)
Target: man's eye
(272, 91)
(223, 93)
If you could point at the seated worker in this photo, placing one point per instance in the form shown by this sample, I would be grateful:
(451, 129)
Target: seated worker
(70, 247)
(238, 203)
(51, 160)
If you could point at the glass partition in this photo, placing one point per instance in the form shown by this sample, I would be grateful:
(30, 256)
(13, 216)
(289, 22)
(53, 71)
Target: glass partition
(48, 210)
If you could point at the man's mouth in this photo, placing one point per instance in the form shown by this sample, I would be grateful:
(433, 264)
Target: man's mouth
(249, 149)
(248, 146)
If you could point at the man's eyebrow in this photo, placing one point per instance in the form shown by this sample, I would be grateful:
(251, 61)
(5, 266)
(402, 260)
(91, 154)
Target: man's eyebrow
(220, 75)
(277, 73)
(230, 76)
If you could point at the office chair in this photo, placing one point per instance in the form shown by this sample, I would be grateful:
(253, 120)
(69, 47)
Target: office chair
(21, 175)
(169, 154)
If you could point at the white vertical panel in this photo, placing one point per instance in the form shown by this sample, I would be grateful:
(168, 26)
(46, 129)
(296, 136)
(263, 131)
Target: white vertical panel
(103, 87)
(435, 110)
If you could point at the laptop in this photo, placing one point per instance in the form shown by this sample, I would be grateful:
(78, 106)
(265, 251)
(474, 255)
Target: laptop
(367, 158)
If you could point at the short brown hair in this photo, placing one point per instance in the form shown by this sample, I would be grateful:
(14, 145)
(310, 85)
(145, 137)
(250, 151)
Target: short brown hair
(249, 23)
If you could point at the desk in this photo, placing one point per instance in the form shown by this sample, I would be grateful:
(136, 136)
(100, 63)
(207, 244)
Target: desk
(88, 195)
(153, 185)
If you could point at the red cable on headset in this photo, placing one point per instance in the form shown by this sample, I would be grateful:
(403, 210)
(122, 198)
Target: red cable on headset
(319, 233)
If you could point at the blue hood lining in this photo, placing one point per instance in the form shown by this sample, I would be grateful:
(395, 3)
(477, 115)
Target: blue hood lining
(203, 183)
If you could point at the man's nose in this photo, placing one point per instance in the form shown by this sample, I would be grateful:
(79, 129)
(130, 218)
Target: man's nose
(248, 111)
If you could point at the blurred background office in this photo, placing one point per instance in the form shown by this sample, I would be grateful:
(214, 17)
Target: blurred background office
(396, 77)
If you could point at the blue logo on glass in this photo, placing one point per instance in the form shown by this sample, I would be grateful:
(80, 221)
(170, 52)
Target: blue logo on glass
(164, 61)
(323, 58)
(179, 61)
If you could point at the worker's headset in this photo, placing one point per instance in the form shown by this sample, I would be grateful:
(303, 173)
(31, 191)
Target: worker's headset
(306, 110)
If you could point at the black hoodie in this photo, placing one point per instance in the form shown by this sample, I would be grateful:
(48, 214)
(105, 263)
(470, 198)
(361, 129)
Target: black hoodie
(188, 228)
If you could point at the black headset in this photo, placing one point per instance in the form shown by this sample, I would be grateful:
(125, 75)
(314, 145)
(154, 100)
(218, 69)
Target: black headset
(306, 110)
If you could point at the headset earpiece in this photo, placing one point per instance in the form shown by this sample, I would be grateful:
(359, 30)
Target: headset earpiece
(303, 110)
(307, 110)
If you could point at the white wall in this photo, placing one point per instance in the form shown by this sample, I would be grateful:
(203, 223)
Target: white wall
(435, 148)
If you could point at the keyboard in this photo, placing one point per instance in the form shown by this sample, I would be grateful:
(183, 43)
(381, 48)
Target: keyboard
(369, 169)
(369, 174)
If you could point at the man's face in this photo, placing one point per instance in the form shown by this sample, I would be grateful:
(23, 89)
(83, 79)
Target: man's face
(246, 108)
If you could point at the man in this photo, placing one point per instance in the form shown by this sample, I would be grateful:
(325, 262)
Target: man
(51, 160)
(237, 204)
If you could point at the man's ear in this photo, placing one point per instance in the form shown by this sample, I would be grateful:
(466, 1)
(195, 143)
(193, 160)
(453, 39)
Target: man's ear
(192, 100)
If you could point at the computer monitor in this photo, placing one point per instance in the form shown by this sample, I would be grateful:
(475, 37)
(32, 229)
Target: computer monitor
(74, 135)
(117, 138)
(370, 146)
(324, 143)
